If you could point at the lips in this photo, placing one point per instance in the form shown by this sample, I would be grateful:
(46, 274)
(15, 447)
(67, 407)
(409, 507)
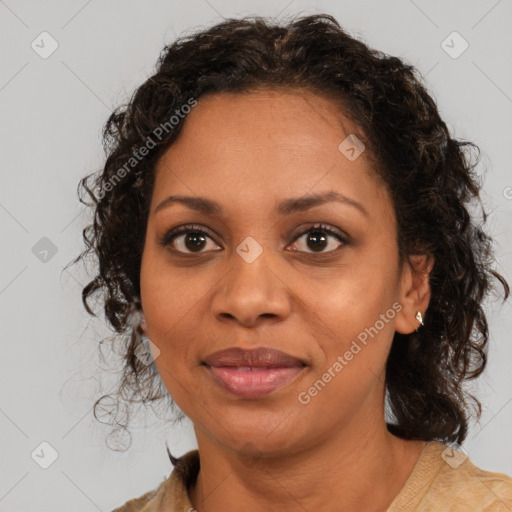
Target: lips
(263, 357)
(252, 373)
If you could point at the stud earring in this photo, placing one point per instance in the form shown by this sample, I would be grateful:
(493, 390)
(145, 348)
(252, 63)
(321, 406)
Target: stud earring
(419, 317)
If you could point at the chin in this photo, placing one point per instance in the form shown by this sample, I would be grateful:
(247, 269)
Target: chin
(253, 441)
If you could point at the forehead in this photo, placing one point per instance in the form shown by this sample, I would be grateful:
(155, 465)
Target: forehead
(261, 146)
(269, 118)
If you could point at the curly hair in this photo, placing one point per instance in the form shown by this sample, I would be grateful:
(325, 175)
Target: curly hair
(430, 175)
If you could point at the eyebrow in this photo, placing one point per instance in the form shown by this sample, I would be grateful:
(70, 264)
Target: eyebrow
(286, 207)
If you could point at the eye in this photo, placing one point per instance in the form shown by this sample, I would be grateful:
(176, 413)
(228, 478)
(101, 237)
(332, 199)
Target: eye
(317, 238)
(196, 238)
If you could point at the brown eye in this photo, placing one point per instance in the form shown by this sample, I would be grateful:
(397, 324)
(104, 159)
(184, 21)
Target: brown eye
(190, 239)
(317, 239)
(187, 239)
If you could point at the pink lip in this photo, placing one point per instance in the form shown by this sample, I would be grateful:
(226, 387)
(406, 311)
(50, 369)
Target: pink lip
(262, 357)
(252, 373)
(252, 383)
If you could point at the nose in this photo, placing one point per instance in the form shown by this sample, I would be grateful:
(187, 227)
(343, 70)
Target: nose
(252, 292)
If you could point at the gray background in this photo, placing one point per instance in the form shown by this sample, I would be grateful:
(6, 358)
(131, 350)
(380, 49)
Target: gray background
(53, 110)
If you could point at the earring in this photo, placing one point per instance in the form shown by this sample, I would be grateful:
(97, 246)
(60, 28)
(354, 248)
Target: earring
(419, 317)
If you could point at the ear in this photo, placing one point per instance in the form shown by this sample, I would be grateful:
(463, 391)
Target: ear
(414, 292)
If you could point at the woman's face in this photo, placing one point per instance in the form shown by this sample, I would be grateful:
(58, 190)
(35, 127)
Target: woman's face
(262, 277)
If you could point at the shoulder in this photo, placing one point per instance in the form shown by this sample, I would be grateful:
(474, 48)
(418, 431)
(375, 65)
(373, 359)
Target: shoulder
(446, 479)
(140, 504)
(462, 485)
(172, 493)
(475, 488)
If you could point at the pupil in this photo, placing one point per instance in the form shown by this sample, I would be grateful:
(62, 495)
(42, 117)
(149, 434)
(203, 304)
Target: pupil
(194, 241)
(317, 236)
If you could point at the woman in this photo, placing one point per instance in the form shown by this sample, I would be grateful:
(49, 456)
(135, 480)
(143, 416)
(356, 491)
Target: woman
(285, 216)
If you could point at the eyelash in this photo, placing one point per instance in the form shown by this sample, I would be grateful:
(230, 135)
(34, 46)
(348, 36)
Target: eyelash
(194, 228)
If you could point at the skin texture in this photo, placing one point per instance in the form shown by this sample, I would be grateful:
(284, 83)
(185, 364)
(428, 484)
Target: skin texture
(248, 152)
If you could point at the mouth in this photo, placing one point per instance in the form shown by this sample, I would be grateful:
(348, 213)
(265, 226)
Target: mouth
(252, 382)
(252, 373)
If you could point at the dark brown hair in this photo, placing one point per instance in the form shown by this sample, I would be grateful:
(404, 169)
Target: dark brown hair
(430, 175)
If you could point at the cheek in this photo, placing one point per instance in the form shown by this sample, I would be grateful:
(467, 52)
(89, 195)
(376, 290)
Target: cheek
(353, 359)
(355, 299)
(167, 297)
(169, 313)
(358, 310)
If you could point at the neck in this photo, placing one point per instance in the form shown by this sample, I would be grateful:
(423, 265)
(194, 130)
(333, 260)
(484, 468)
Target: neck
(350, 471)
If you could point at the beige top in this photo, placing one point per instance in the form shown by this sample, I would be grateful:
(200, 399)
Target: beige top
(443, 480)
